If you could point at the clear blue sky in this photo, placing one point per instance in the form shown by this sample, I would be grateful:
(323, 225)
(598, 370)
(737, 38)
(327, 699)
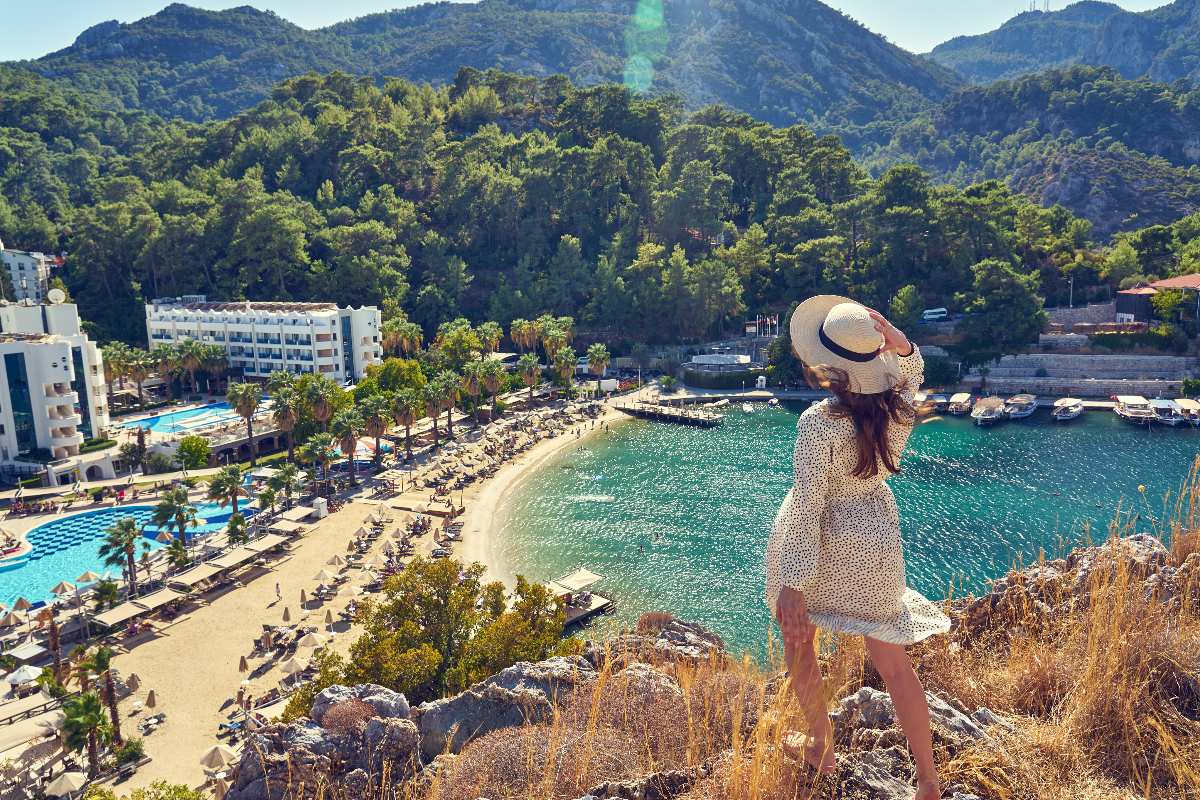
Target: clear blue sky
(32, 29)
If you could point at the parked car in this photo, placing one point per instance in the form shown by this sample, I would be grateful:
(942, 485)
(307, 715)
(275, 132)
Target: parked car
(935, 315)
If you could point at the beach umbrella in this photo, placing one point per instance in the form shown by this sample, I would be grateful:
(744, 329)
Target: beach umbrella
(325, 576)
(304, 596)
(89, 577)
(310, 640)
(134, 683)
(361, 531)
(336, 561)
(164, 537)
(243, 666)
(63, 587)
(23, 674)
(267, 641)
(329, 616)
(10, 620)
(65, 784)
(219, 788)
(287, 614)
(292, 666)
(218, 756)
(151, 699)
(350, 546)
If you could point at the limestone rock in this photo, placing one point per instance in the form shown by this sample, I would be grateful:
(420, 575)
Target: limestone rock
(452, 722)
(872, 709)
(390, 747)
(656, 786)
(675, 641)
(387, 703)
(551, 677)
(875, 775)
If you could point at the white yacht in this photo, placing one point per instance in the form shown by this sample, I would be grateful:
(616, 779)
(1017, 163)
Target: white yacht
(959, 404)
(1167, 412)
(1190, 409)
(1066, 408)
(1020, 406)
(1134, 408)
(988, 410)
(747, 408)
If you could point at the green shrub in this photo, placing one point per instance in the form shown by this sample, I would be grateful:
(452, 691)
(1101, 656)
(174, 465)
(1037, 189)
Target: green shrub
(940, 371)
(1191, 387)
(133, 750)
(1167, 336)
(92, 445)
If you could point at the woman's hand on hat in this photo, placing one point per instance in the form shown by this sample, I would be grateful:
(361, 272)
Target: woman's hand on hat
(894, 339)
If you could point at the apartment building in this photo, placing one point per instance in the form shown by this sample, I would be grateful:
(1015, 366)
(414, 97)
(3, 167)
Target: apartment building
(61, 321)
(265, 337)
(28, 272)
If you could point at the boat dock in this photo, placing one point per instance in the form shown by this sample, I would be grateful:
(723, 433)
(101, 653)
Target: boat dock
(581, 605)
(675, 414)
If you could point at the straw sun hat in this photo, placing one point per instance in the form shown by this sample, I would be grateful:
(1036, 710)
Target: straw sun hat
(835, 331)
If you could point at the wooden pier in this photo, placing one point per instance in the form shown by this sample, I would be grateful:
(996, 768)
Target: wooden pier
(580, 604)
(676, 415)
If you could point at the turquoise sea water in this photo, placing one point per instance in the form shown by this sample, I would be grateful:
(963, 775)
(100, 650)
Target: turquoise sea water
(677, 518)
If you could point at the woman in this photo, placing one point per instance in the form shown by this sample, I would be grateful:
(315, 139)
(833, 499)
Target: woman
(834, 559)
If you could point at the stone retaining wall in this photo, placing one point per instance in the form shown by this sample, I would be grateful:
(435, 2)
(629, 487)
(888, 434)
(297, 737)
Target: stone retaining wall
(1094, 313)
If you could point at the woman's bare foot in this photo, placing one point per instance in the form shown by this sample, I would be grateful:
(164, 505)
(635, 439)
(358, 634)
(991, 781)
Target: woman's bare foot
(816, 753)
(928, 789)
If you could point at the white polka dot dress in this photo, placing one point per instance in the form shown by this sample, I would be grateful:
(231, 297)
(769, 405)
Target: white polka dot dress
(836, 537)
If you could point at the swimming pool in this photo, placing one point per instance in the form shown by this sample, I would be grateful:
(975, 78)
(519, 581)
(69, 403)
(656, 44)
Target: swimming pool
(186, 420)
(65, 548)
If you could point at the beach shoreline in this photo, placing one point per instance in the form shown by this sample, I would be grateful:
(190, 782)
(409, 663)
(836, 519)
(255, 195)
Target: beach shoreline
(484, 519)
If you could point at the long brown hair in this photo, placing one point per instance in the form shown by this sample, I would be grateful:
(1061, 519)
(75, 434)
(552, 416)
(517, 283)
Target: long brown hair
(870, 413)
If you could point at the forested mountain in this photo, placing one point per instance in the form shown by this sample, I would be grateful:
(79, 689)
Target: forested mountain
(1121, 153)
(502, 196)
(1162, 44)
(781, 60)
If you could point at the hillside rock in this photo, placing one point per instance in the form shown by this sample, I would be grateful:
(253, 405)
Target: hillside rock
(550, 678)
(676, 641)
(387, 704)
(447, 725)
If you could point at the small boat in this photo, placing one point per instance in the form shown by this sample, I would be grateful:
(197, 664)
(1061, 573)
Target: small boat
(1167, 412)
(1020, 406)
(988, 410)
(959, 404)
(724, 401)
(1134, 408)
(1066, 408)
(938, 400)
(773, 402)
(1190, 409)
(747, 408)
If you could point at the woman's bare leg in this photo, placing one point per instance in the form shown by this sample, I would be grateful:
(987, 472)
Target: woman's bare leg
(804, 674)
(912, 710)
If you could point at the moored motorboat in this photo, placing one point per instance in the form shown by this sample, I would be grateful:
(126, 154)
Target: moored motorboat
(747, 408)
(1190, 409)
(959, 404)
(1020, 406)
(1167, 412)
(773, 402)
(1134, 408)
(1066, 408)
(988, 410)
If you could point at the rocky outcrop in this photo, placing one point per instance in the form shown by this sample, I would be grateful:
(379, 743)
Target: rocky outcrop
(446, 725)
(675, 641)
(385, 702)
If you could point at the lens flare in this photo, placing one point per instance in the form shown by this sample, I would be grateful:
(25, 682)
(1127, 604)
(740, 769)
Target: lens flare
(645, 44)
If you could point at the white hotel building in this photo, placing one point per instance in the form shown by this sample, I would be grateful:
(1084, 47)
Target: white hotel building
(29, 273)
(265, 337)
(52, 393)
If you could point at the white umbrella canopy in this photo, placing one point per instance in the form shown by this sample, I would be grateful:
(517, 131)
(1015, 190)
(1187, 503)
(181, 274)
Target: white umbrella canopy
(292, 666)
(325, 576)
(23, 674)
(218, 756)
(336, 561)
(311, 640)
(66, 783)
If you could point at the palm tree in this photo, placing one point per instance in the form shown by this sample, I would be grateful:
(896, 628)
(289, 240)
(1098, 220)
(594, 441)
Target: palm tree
(597, 358)
(237, 530)
(489, 333)
(322, 393)
(166, 359)
(431, 395)
(286, 405)
(401, 336)
(377, 415)
(177, 554)
(119, 549)
(213, 361)
(406, 407)
(116, 362)
(287, 480)
(564, 364)
(54, 645)
(493, 377)
(106, 594)
(451, 388)
(472, 385)
(225, 486)
(530, 371)
(86, 727)
(140, 364)
(174, 509)
(190, 354)
(267, 498)
(523, 333)
(279, 380)
(245, 399)
(99, 662)
(346, 426)
(319, 450)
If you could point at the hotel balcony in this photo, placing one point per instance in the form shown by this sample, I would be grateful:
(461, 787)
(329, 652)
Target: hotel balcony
(65, 437)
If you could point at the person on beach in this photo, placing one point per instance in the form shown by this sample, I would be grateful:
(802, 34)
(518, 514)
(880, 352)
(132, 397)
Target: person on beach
(834, 558)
